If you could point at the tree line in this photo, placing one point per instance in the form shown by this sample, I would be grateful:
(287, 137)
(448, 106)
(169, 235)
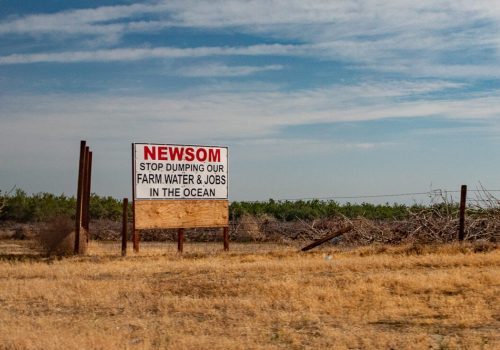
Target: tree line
(22, 207)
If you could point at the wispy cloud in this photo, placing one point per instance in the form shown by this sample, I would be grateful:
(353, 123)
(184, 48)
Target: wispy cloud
(133, 54)
(232, 114)
(99, 21)
(413, 38)
(220, 70)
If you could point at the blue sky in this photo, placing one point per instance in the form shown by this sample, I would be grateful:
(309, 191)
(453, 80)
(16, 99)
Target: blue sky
(313, 98)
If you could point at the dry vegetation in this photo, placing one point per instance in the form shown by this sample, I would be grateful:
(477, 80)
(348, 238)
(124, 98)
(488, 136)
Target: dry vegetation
(255, 296)
(57, 237)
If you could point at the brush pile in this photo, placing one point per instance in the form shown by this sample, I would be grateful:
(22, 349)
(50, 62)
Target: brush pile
(437, 223)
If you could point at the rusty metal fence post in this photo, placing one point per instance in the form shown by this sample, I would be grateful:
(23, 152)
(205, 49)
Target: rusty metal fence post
(225, 234)
(180, 240)
(461, 225)
(84, 189)
(82, 215)
(79, 196)
(124, 226)
(87, 193)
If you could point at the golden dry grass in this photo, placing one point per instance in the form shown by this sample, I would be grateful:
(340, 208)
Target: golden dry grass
(253, 297)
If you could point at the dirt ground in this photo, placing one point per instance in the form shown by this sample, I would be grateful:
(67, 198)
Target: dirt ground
(256, 296)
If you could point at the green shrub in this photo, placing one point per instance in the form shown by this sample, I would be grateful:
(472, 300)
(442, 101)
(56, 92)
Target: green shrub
(316, 209)
(44, 206)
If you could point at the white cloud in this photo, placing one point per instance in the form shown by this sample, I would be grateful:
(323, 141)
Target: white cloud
(409, 37)
(229, 114)
(133, 54)
(83, 21)
(220, 70)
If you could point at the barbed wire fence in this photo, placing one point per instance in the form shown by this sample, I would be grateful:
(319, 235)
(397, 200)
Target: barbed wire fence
(482, 196)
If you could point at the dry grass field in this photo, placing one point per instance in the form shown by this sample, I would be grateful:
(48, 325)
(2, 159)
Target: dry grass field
(254, 297)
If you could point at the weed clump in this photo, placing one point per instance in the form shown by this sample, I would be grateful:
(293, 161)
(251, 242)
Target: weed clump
(57, 237)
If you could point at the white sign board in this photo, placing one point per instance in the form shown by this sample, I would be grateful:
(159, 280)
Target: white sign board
(179, 171)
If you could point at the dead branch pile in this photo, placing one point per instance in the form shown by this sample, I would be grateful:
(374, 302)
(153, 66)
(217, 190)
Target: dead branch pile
(425, 226)
(437, 223)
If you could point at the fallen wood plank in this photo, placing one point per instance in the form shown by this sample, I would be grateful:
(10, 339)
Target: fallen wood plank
(327, 238)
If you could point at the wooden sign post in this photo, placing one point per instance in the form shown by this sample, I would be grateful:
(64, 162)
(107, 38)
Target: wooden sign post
(179, 187)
